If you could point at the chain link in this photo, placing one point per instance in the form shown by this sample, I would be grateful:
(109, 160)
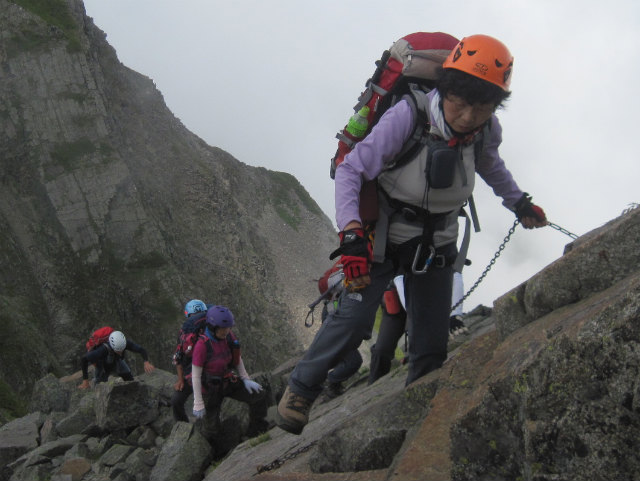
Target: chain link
(276, 463)
(490, 265)
(563, 230)
(499, 252)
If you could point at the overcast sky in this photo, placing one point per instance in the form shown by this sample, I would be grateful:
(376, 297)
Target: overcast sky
(271, 82)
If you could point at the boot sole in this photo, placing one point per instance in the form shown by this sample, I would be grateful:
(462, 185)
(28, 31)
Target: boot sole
(288, 426)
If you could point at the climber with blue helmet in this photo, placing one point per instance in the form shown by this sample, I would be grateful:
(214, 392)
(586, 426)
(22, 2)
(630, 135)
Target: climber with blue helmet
(194, 306)
(195, 312)
(108, 357)
(218, 371)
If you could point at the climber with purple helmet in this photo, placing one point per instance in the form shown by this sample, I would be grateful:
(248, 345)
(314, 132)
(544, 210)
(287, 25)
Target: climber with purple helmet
(218, 372)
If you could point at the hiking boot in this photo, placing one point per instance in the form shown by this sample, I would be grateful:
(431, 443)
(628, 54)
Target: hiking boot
(334, 389)
(456, 327)
(293, 412)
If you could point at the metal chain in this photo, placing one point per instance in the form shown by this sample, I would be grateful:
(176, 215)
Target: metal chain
(490, 265)
(276, 463)
(497, 254)
(563, 230)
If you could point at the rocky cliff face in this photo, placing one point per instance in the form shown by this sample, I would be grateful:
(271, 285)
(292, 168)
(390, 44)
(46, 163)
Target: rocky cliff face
(112, 212)
(544, 387)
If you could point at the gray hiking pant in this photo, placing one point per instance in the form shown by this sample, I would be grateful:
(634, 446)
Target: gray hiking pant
(348, 365)
(346, 368)
(428, 298)
(392, 327)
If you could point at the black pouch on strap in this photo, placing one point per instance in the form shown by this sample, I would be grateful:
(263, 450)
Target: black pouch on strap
(441, 164)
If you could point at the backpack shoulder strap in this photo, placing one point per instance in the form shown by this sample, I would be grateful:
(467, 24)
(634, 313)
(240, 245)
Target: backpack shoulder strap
(419, 104)
(481, 145)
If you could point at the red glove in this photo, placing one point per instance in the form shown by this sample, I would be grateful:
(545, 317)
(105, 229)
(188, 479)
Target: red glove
(525, 208)
(356, 253)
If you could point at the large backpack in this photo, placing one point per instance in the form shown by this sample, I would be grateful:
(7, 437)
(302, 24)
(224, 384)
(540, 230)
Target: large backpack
(411, 62)
(99, 337)
(190, 331)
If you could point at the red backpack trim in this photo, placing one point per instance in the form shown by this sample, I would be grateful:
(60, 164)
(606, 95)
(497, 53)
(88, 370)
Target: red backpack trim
(99, 336)
(415, 58)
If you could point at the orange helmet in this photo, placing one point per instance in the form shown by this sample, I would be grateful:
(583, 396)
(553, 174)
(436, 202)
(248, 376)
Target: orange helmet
(483, 57)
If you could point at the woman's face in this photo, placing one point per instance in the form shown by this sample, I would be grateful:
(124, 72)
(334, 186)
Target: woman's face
(221, 332)
(463, 117)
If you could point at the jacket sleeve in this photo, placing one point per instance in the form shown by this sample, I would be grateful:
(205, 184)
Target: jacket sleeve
(133, 347)
(91, 357)
(368, 158)
(242, 371)
(493, 170)
(196, 380)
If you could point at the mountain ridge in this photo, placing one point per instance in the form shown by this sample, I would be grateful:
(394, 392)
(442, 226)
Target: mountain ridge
(115, 213)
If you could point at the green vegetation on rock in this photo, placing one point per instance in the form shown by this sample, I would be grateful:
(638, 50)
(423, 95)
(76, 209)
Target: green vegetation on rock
(285, 185)
(56, 13)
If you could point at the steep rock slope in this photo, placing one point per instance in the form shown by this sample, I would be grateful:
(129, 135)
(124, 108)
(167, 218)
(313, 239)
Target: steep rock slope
(546, 388)
(112, 212)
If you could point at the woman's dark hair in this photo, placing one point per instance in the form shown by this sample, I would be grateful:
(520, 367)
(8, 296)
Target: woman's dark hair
(472, 89)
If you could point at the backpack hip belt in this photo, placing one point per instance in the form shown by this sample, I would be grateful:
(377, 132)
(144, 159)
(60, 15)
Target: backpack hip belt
(412, 214)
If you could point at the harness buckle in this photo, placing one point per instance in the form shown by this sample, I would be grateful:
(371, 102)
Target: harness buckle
(440, 261)
(409, 214)
(427, 262)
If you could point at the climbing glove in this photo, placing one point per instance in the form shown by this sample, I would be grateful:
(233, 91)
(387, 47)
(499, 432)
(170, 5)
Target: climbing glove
(199, 413)
(356, 253)
(251, 386)
(525, 208)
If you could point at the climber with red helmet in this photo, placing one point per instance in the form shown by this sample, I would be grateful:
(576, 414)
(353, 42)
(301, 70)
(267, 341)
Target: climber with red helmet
(420, 200)
(218, 371)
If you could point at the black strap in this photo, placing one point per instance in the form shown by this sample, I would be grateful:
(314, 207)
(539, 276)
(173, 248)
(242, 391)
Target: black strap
(413, 213)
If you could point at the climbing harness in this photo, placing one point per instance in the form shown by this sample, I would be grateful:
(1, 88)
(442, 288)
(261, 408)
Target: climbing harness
(312, 306)
(499, 252)
(276, 463)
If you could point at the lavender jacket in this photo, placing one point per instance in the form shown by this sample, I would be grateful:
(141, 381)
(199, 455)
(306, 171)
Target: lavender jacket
(367, 160)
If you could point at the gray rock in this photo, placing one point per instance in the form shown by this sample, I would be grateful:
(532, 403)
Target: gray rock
(117, 453)
(19, 437)
(81, 420)
(163, 424)
(371, 441)
(49, 395)
(593, 263)
(120, 405)
(142, 436)
(75, 467)
(141, 461)
(571, 413)
(44, 455)
(160, 384)
(184, 455)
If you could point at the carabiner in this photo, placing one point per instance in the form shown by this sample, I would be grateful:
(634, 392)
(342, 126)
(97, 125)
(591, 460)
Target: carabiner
(308, 323)
(427, 262)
